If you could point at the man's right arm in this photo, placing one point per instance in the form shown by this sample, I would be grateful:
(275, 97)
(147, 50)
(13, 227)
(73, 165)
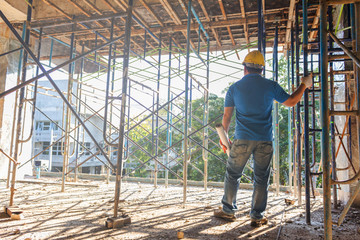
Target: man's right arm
(295, 97)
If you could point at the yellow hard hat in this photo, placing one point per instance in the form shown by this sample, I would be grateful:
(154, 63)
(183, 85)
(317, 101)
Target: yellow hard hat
(254, 59)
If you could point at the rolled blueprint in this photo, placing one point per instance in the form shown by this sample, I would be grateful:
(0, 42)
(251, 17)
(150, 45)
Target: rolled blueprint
(223, 137)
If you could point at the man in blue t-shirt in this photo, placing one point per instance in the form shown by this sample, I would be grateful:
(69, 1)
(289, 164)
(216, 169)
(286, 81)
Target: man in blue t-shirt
(252, 97)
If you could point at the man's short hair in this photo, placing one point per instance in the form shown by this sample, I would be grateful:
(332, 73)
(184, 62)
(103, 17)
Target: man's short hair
(254, 70)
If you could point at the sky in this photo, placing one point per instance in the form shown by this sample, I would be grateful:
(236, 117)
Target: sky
(223, 72)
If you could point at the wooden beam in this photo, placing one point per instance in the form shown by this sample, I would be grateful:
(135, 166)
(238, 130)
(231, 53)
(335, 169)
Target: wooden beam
(243, 15)
(151, 11)
(338, 2)
(201, 3)
(76, 20)
(216, 36)
(76, 5)
(228, 28)
(225, 18)
(170, 11)
(92, 6)
(175, 18)
(183, 6)
(57, 9)
(195, 26)
(290, 21)
(107, 3)
(123, 5)
(315, 24)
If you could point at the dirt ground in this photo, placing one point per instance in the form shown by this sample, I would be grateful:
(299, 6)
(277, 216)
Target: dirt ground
(156, 213)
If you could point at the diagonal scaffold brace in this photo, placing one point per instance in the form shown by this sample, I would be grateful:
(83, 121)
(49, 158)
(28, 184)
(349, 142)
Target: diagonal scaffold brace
(36, 60)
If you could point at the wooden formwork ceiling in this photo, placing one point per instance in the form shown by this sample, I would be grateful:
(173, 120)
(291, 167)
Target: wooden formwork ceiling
(231, 24)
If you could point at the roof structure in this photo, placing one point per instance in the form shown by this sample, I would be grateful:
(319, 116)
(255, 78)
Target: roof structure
(230, 24)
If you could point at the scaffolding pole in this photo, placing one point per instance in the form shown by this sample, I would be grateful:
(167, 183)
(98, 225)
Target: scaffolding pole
(123, 107)
(325, 146)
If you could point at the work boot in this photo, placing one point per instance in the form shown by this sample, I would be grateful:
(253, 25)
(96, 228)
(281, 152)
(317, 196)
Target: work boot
(219, 213)
(259, 222)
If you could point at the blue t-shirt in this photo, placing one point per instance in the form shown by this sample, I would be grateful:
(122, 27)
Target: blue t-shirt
(253, 98)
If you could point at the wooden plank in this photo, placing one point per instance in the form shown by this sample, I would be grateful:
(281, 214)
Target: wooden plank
(57, 8)
(107, 3)
(123, 5)
(225, 18)
(92, 6)
(337, 2)
(195, 26)
(290, 21)
(14, 212)
(175, 18)
(201, 3)
(151, 11)
(170, 11)
(243, 14)
(78, 7)
(315, 24)
(183, 6)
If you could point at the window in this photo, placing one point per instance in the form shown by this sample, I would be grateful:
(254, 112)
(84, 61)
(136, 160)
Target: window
(46, 125)
(83, 150)
(102, 146)
(45, 145)
(56, 149)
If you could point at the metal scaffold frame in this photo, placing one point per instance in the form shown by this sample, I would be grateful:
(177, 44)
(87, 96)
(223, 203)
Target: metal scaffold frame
(175, 131)
(193, 82)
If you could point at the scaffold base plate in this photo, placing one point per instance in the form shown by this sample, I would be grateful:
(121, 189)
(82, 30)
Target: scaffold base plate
(118, 222)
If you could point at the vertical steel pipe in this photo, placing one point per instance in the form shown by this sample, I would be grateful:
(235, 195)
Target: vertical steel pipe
(168, 127)
(157, 116)
(306, 114)
(289, 123)
(206, 116)
(108, 78)
(276, 114)
(187, 65)
(67, 116)
(332, 108)
(79, 86)
(123, 107)
(21, 103)
(126, 155)
(293, 170)
(325, 151)
(298, 109)
(51, 51)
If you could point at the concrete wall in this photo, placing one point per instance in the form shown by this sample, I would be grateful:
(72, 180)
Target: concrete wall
(8, 79)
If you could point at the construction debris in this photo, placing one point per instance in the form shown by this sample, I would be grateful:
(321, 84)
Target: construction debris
(180, 235)
(14, 212)
(289, 202)
(118, 222)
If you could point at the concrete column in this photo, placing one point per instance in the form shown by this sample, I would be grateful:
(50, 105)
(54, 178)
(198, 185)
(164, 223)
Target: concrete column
(8, 79)
(4, 128)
